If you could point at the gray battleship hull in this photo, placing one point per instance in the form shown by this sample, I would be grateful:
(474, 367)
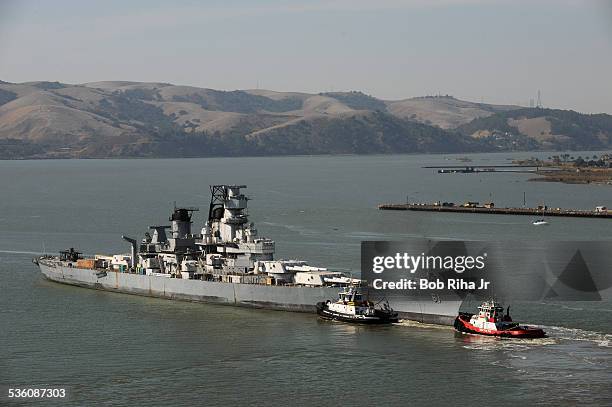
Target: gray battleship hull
(286, 298)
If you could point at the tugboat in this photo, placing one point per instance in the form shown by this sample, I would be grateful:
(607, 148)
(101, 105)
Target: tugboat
(492, 321)
(351, 306)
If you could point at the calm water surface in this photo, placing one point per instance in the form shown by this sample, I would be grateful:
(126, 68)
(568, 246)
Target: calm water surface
(128, 350)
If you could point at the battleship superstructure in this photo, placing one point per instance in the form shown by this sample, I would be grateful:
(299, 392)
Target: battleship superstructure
(227, 262)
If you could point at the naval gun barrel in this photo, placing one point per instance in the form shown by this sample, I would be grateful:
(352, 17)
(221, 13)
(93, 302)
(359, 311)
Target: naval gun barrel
(133, 243)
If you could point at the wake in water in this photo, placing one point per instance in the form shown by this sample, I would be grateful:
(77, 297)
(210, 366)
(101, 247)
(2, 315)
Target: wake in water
(576, 334)
(294, 228)
(555, 335)
(20, 252)
(491, 343)
(416, 324)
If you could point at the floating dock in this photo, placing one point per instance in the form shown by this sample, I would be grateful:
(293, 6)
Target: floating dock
(574, 213)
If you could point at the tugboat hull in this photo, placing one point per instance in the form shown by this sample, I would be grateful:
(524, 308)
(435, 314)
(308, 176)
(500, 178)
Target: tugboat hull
(462, 324)
(380, 317)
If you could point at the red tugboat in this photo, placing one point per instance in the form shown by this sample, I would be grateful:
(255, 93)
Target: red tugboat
(492, 321)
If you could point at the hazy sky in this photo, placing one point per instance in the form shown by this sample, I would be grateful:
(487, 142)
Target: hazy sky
(494, 51)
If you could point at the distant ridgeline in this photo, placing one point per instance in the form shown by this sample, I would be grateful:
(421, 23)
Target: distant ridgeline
(134, 119)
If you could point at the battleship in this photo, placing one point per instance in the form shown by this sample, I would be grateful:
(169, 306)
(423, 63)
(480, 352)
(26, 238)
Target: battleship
(227, 262)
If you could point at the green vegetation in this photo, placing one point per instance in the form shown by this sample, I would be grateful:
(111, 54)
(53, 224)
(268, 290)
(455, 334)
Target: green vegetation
(240, 102)
(586, 131)
(49, 85)
(374, 133)
(495, 123)
(144, 116)
(140, 93)
(578, 131)
(567, 160)
(6, 96)
(11, 149)
(357, 100)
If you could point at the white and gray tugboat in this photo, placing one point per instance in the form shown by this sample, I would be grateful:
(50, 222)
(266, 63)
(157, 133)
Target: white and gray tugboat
(225, 262)
(353, 306)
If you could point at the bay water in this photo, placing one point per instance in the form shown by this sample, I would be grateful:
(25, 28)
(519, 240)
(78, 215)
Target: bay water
(115, 349)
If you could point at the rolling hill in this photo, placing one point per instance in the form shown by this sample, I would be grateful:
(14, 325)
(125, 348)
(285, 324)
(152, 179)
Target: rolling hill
(136, 119)
(537, 128)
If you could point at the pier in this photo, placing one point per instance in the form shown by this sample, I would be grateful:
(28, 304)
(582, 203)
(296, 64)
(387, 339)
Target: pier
(475, 169)
(574, 213)
(483, 166)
